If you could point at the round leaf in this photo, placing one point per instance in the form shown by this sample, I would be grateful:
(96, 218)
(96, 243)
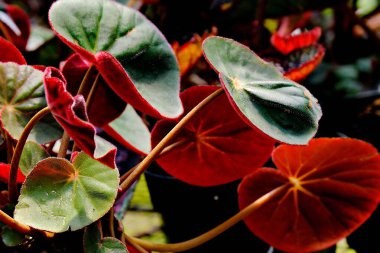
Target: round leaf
(32, 153)
(215, 147)
(10, 237)
(58, 195)
(130, 53)
(265, 99)
(21, 96)
(94, 243)
(329, 188)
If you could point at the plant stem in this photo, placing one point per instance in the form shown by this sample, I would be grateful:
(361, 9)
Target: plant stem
(199, 240)
(12, 183)
(5, 32)
(82, 88)
(65, 140)
(135, 245)
(166, 140)
(9, 147)
(111, 221)
(19, 227)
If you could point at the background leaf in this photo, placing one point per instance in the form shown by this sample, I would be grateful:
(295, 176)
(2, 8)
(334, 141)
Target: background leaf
(31, 155)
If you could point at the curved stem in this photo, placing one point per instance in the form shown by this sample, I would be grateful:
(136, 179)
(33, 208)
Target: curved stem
(166, 140)
(111, 221)
(134, 244)
(22, 228)
(12, 183)
(5, 32)
(199, 240)
(65, 140)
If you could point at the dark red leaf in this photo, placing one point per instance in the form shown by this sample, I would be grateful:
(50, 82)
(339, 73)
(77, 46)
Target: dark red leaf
(22, 21)
(4, 174)
(288, 43)
(70, 113)
(107, 106)
(215, 147)
(10, 53)
(328, 189)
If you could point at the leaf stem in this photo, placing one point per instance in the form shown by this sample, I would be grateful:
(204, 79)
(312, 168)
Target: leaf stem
(21, 228)
(12, 182)
(166, 140)
(81, 90)
(5, 32)
(199, 240)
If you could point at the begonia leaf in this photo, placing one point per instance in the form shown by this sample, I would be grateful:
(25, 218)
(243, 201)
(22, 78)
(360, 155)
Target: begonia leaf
(301, 63)
(130, 130)
(93, 242)
(288, 43)
(31, 154)
(215, 147)
(39, 35)
(324, 191)
(58, 195)
(131, 54)
(5, 171)
(70, 112)
(21, 19)
(106, 106)
(10, 53)
(21, 96)
(281, 108)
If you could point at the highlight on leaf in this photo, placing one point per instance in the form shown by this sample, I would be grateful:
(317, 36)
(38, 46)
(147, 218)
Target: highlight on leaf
(58, 195)
(262, 96)
(119, 40)
(296, 40)
(215, 147)
(70, 112)
(326, 190)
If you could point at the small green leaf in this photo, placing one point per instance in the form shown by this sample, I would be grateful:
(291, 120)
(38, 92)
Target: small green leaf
(39, 35)
(21, 96)
(279, 107)
(10, 237)
(130, 130)
(58, 195)
(31, 155)
(94, 243)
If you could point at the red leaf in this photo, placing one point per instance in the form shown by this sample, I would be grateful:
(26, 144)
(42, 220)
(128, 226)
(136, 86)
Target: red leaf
(305, 68)
(329, 188)
(107, 106)
(288, 43)
(22, 21)
(70, 113)
(4, 174)
(215, 147)
(10, 53)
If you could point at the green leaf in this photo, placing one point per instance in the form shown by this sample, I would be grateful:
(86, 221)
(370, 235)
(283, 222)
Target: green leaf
(39, 35)
(279, 107)
(21, 96)
(94, 243)
(130, 130)
(58, 195)
(31, 155)
(10, 237)
(92, 27)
